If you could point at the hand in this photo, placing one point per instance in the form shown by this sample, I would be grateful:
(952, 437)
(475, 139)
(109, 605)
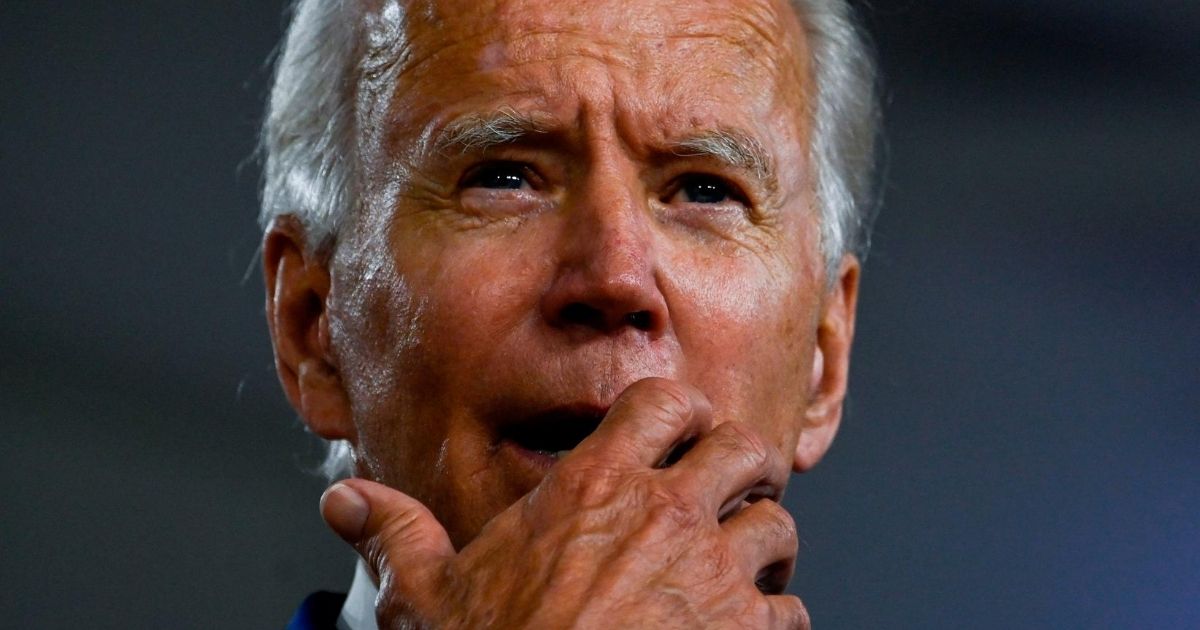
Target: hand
(608, 539)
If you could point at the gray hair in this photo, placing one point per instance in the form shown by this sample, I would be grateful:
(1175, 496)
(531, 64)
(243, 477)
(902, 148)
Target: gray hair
(310, 146)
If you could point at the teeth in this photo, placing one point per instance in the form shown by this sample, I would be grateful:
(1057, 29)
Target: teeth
(555, 454)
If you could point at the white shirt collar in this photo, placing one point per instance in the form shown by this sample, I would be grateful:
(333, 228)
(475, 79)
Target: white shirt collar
(358, 613)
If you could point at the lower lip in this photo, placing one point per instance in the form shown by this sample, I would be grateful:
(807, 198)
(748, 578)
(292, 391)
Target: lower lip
(526, 468)
(536, 459)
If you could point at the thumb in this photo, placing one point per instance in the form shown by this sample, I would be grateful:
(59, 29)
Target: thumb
(397, 536)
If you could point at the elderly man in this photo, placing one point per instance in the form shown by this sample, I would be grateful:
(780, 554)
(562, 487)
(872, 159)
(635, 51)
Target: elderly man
(570, 287)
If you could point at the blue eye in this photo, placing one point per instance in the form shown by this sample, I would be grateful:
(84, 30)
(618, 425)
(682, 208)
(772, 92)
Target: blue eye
(705, 189)
(503, 176)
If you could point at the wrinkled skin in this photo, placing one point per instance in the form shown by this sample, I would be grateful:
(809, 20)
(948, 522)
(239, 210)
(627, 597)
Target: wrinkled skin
(481, 286)
(607, 540)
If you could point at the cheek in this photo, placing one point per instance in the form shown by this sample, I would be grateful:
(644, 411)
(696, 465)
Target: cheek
(376, 326)
(375, 318)
(748, 326)
(473, 297)
(745, 323)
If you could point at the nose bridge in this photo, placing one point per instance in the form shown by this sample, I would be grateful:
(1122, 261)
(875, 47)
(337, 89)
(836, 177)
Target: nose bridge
(610, 224)
(608, 263)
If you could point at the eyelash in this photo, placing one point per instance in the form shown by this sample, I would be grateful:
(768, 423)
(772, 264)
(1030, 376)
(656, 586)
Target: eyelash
(474, 177)
(732, 192)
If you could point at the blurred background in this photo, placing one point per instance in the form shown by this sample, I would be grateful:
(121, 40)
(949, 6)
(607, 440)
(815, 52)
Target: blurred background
(1022, 446)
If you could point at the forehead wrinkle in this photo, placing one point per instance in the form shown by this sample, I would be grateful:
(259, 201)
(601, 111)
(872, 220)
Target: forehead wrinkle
(748, 31)
(543, 46)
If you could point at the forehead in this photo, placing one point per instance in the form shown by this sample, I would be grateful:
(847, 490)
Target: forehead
(746, 22)
(672, 59)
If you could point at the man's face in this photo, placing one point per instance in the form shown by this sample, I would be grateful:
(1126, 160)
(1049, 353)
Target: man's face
(648, 213)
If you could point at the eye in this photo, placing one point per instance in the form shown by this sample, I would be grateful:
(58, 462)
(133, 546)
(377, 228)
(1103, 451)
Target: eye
(498, 176)
(705, 189)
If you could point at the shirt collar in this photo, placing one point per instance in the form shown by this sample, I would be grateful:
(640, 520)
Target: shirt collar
(358, 613)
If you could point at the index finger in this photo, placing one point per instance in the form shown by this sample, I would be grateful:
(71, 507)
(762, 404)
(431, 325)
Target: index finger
(648, 420)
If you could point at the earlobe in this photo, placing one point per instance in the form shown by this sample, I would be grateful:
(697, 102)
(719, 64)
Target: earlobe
(297, 286)
(323, 402)
(830, 368)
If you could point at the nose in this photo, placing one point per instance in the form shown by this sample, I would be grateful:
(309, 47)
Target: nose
(606, 281)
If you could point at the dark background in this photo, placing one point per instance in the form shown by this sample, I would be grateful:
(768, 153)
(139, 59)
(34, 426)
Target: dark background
(1022, 447)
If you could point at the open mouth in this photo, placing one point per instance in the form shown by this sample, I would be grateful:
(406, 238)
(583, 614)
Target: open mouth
(553, 433)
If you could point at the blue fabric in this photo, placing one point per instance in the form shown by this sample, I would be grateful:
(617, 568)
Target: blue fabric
(318, 611)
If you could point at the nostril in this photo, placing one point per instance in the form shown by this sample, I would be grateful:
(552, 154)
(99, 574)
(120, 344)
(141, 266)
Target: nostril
(588, 316)
(640, 320)
(582, 314)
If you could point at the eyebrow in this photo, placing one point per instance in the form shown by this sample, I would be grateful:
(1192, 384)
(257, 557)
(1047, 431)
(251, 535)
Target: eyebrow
(733, 149)
(479, 132)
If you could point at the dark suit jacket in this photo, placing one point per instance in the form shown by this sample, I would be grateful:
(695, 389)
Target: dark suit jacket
(319, 611)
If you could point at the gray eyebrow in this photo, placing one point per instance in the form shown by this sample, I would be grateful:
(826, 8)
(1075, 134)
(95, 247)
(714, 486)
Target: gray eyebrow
(732, 149)
(478, 132)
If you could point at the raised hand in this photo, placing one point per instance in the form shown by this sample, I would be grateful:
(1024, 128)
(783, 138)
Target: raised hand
(623, 532)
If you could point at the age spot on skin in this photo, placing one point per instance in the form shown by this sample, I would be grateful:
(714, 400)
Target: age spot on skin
(493, 56)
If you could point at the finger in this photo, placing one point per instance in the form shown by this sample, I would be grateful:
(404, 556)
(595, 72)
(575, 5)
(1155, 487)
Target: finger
(396, 535)
(648, 420)
(788, 613)
(728, 465)
(763, 537)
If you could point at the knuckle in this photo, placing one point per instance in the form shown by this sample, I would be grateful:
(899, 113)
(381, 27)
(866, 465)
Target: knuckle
(780, 522)
(802, 620)
(763, 613)
(748, 444)
(593, 490)
(665, 401)
(793, 612)
(585, 482)
(668, 510)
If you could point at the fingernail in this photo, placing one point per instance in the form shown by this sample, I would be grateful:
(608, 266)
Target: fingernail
(346, 511)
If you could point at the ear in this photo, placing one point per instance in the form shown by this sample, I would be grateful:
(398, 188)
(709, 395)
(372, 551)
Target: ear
(297, 285)
(831, 367)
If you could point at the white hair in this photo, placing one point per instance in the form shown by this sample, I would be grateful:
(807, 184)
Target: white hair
(310, 145)
(845, 128)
